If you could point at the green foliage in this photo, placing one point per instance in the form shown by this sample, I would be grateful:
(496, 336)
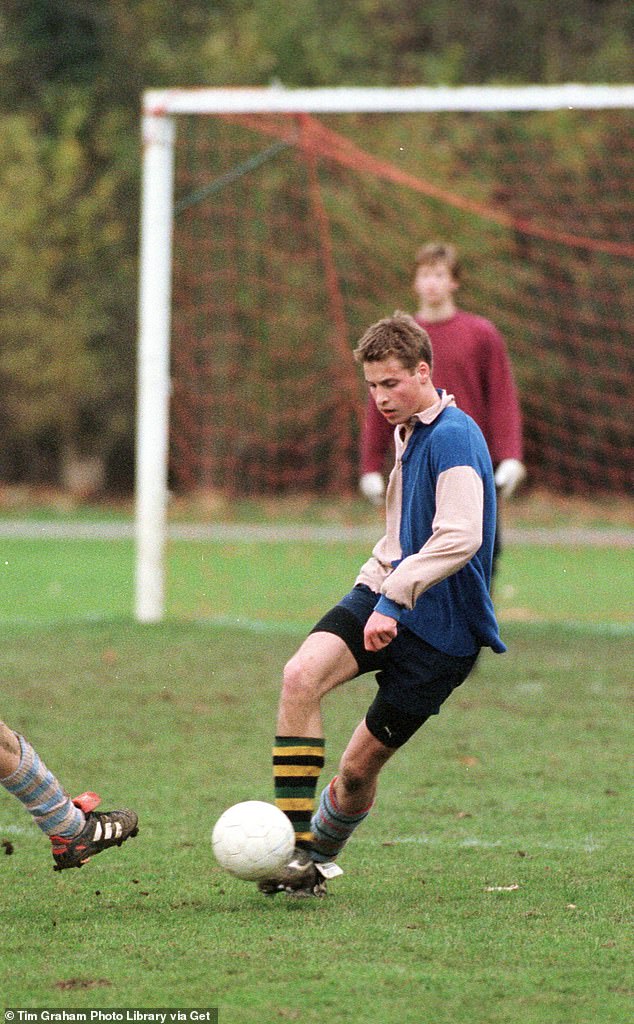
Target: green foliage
(60, 231)
(71, 75)
(46, 313)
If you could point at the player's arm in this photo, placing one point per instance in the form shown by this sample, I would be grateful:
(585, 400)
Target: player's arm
(379, 631)
(376, 570)
(455, 539)
(376, 440)
(504, 414)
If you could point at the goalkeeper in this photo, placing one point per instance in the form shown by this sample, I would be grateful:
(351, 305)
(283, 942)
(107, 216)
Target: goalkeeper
(418, 615)
(471, 362)
(76, 831)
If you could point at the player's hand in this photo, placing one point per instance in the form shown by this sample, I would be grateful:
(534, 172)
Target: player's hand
(372, 487)
(379, 631)
(508, 476)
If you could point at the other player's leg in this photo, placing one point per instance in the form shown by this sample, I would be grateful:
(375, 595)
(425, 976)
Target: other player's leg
(75, 830)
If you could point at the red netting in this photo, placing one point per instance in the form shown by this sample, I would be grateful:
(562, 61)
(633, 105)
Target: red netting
(293, 234)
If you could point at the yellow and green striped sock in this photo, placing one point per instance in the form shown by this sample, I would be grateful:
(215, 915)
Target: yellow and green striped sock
(297, 764)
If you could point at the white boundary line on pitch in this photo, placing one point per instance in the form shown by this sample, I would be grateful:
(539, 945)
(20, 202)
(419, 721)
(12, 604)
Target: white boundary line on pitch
(586, 845)
(271, 533)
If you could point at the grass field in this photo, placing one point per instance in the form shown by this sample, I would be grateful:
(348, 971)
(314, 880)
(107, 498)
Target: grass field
(491, 885)
(288, 583)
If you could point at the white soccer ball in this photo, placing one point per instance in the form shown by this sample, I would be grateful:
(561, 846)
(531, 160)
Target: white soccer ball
(253, 840)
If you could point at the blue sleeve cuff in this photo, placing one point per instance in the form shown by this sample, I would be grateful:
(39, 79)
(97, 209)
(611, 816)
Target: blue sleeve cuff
(388, 607)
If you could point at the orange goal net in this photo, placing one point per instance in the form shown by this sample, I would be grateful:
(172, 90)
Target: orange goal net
(295, 231)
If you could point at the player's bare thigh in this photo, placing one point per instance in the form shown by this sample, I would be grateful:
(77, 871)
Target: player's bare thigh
(322, 662)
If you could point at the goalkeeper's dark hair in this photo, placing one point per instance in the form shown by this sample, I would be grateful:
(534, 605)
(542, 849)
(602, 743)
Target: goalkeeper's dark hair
(440, 252)
(399, 336)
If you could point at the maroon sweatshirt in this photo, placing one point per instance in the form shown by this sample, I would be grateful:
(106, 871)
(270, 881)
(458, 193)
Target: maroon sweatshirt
(471, 362)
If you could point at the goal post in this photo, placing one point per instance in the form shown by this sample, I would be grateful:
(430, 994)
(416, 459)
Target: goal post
(153, 373)
(162, 111)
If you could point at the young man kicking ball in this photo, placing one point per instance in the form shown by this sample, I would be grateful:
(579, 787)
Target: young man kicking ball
(76, 831)
(418, 614)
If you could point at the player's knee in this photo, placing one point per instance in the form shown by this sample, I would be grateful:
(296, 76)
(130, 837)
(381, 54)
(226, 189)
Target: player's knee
(353, 778)
(362, 761)
(299, 681)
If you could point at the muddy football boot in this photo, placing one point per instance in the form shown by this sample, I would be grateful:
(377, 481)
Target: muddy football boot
(101, 831)
(301, 877)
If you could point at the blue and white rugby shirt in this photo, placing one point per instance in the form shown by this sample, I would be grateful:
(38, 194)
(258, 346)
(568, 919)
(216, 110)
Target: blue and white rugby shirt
(433, 566)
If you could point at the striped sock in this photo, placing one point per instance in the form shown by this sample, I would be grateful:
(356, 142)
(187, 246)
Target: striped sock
(331, 827)
(52, 809)
(297, 763)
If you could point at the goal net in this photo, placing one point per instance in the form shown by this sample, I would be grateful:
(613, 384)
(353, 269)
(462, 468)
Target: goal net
(295, 228)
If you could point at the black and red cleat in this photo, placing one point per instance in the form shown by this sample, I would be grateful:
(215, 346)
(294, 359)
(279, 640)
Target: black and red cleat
(101, 831)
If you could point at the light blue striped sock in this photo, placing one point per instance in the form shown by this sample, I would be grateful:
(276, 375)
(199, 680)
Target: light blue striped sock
(37, 788)
(332, 828)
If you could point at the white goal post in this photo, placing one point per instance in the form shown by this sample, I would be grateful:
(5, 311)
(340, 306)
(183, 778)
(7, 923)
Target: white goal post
(161, 108)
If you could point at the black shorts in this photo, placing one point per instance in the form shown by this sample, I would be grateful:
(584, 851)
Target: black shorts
(414, 678)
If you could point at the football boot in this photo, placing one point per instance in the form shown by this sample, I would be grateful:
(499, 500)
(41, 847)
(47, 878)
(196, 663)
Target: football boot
(101, 831)
(301, 877)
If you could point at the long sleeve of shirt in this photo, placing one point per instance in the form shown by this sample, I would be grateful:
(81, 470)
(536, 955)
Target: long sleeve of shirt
(456, 536)
(432, 567)
(456, 533)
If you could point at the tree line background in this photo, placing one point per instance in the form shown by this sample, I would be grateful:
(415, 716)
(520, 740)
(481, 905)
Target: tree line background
(71, 77)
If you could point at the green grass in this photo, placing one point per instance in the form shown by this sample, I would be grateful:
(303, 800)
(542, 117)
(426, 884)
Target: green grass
(288, 582)
(523, 780)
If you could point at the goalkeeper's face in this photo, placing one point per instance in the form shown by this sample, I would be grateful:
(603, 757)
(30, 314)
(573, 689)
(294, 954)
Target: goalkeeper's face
(399, 392)
(434, 284)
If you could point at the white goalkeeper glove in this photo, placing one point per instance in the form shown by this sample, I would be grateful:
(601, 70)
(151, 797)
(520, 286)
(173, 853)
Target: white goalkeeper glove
(372, 487)
(508, 476)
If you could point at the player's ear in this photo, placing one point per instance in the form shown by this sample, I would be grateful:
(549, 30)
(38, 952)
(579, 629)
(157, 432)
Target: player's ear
(423, 372)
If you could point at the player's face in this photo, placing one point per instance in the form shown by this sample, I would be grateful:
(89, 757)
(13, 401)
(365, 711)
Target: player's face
(399, 392)
(434, 284)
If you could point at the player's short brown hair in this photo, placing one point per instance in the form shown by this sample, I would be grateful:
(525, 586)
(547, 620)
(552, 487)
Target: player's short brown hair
(440, 252)
(399, 336)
